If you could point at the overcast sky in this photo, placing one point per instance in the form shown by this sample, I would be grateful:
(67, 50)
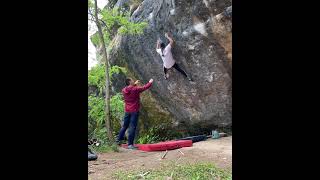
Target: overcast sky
(91, 30)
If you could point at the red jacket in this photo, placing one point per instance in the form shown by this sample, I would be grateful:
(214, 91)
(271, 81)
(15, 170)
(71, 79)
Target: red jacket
(131, 95)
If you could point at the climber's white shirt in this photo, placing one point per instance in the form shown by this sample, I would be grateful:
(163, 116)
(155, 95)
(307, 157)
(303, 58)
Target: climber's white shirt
(168, 60)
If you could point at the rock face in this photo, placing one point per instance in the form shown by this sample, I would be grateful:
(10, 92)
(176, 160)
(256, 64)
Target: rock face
(202, 32)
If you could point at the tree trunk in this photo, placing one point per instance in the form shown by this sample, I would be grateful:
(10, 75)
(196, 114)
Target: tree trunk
(107, 99)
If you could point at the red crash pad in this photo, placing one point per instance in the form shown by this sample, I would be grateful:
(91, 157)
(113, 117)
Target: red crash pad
(162, 146)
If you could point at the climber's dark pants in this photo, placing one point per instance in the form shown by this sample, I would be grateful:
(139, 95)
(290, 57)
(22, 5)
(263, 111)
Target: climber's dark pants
(130, 120)
(177, 67)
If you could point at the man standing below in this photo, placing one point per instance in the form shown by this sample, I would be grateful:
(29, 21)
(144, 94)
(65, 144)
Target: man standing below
(131, 95)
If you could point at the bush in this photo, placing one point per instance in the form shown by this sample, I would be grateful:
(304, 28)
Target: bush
(158, 133)
(96, 107)
(117, 111)
(96, 116)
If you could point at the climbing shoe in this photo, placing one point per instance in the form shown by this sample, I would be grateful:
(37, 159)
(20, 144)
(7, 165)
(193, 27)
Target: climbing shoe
(132, 147)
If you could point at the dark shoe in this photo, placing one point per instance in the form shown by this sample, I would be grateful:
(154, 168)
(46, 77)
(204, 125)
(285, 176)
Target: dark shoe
(118, 143)
(92, 157)
(132, 147)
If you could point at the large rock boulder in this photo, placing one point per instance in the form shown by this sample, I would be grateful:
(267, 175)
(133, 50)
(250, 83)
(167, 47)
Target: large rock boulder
(202, 33)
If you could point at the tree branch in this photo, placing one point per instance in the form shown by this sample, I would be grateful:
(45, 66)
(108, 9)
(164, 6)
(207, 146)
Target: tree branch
(90, 13)
(104, 23)
(92, 20)
(109, 31)
(100, 20)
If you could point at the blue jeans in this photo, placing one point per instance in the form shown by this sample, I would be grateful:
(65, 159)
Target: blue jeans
(130, 120)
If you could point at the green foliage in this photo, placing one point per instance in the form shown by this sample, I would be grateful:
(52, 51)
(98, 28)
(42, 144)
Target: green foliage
(96, 105)
(121, 19)
(104, 145)
(117, 111)
(199, 171)
(133, 29)
(103, 148)
(97, 77)
(147, 139)
(96, 113)
(95, 39)
(117, 19)
(116, 70)
(157, 133)
(96, 121)
(114, 148)
(151, 136)
(90, 4)
(106, 37)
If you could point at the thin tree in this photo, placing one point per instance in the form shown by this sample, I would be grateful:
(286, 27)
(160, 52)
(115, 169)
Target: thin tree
(107, 90)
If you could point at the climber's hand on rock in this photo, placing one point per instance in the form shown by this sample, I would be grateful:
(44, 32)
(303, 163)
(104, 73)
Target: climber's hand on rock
(167, 35)
(137, 82)
(151, 81)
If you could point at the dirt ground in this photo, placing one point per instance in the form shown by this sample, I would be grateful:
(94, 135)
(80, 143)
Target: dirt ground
(217, 151)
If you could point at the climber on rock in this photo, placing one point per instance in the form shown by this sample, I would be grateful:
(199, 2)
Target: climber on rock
(167, 58)
(131, 95)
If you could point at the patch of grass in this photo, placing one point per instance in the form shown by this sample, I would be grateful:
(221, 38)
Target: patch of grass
(199, 171)
(106, 148)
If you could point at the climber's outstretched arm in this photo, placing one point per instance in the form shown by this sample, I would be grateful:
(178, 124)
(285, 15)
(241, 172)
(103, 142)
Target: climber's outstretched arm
(170, 39)
(158, 44)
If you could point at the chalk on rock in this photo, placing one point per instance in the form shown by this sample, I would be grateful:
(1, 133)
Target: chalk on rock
(172, 12)
(228, 12)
